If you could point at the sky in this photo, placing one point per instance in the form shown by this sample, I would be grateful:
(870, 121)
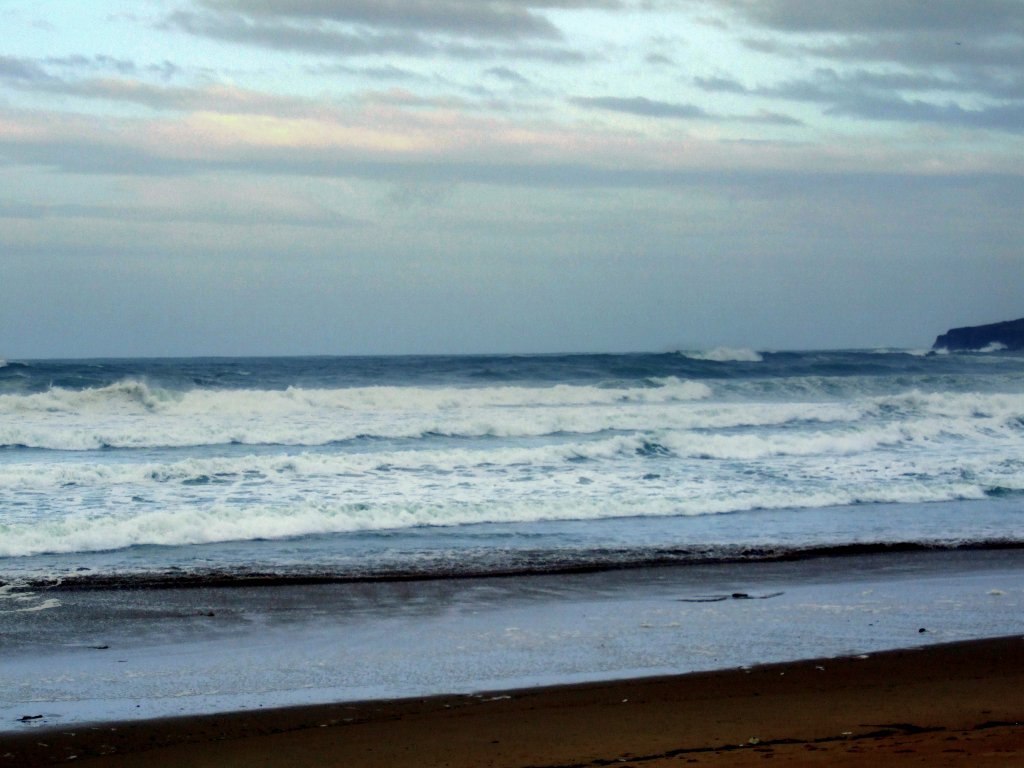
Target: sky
(244, 177)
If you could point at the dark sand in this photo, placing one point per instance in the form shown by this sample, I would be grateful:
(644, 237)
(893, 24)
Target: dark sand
(958, 704)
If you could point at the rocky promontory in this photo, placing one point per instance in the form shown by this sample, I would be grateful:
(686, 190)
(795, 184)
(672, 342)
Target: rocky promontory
(1009, 334)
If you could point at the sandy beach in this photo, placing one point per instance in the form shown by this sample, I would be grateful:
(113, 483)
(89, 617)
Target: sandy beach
(943, 705)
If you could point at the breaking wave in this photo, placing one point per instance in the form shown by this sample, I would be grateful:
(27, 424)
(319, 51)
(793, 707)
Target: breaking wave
(726, 355)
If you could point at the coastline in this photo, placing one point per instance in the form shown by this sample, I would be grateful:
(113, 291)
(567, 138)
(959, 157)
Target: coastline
(947, 704)
(73, 657)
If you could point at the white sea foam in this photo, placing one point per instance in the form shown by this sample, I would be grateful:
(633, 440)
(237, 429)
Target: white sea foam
(197, 524)
(133, 396)
(324, 461)
(15, 598)
(288, 418)
(900, 351)
(98, 505)
(726, 355)
(133, 414)
(220, 422)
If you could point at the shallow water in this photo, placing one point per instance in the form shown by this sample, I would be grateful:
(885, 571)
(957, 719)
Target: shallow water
(121, 654)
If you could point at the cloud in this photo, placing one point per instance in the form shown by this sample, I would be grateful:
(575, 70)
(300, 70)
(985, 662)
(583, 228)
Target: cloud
(906, 48)
(508, 75)
(383, 139)
(223, 214)
(644, 107)
(18, 70)
(29, 75)
(639, 105)
(93, 63)
(512, 19)
(466, 29)
(235, 28)
(874, 16)
(384, 72)
(659, 60)
(945, 63)
(878, 96)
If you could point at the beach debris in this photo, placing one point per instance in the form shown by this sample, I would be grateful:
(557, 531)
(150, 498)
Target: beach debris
(732, 596)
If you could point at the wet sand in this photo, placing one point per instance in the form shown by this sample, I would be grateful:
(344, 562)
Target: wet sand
(943, 705)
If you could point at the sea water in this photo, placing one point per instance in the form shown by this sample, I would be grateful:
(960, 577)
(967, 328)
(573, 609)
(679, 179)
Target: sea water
(194, 535)
(335, 468)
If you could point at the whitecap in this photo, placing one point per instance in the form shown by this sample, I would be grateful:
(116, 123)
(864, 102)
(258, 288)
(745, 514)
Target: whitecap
(726, 355)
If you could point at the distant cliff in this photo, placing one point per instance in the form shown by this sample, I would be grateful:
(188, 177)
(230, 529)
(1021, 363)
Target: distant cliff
(1010, 334)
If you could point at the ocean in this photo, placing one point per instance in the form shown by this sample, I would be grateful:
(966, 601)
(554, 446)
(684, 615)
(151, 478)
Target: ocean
(173, 471)
(198, 535)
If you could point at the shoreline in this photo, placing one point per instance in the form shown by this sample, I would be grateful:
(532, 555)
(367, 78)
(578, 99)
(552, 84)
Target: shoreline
(79, 656)
(609, 561)
(949, 704)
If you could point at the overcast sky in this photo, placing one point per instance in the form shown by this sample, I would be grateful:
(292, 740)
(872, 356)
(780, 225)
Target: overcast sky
(229, 177)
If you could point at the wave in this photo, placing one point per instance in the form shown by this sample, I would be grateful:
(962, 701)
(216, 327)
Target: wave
(330, 417)
(134, 415)
(990, 348)
(901, 351)
(726, 355)
(493, 564)
(136, 396)
(191, 523)
(325, 426)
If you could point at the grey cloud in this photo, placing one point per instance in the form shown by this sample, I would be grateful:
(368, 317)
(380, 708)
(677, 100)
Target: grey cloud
(386, 72)
(912, 49)
(1009, 118)
(550, 54)
(235, 28)
(473, 18)
(871, 16)
(87, 157)
(921, 49)
(91, 158)
(308, 218)
(638, 105)
(162, 97)
(99, 63)
(94, 63)
(644, 107)
(22, 70)
(771, 118)
(910, 54)
(508, 75)
(658, 59)
(877, 96)
(720, 84)
(333, 40)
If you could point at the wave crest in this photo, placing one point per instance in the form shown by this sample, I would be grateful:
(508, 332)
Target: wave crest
(726, 355)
